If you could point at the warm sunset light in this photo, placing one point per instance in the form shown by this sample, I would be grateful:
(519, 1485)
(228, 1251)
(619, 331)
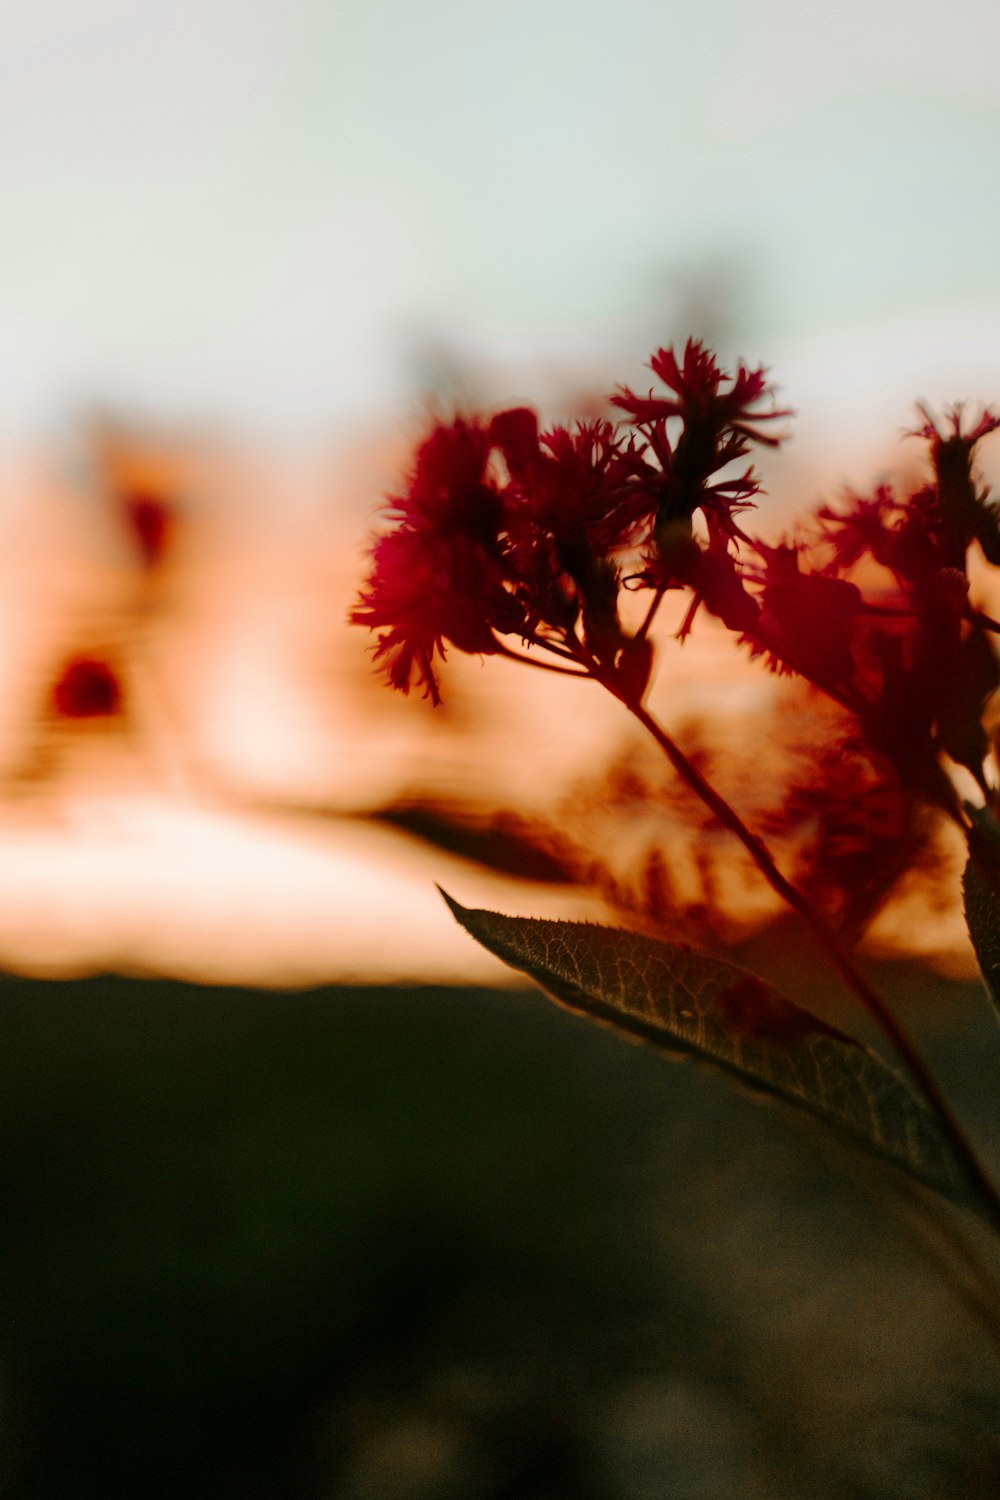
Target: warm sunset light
(192, 732)
(499, 750)
(175, 602)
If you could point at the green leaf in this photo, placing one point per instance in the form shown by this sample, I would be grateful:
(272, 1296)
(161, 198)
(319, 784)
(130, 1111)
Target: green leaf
(687, 1004)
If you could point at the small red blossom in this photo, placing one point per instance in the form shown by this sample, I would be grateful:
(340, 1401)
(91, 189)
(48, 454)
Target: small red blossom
(568, 480)
(720, 419)
(967, 513)
(566, 518)
(451, 488)
(86, 688)
(701, 400)
(954, 417)
(506, 529)
(717, 581)
(515, 433)
(152, 522)
(912, 659)
(439, 575)
(863, 527)
(806, 619)
(854, 827)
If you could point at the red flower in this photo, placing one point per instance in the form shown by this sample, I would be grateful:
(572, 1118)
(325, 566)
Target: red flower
(86, 688)
(700, 401)
(925, 664)
(720, 420)
(515, 433)
(152, 521)
(568, 481)
(565, 517)
(438, 577)
(535, 545)
(966, 512)
(806, 621)
(912, 661)
(855, 827)
(988, 422)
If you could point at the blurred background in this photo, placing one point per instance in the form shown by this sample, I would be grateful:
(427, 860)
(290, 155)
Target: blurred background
(291, 1210)
(247, 249)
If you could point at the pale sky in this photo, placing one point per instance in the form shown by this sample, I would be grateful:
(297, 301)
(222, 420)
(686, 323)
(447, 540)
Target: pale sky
(259, 214)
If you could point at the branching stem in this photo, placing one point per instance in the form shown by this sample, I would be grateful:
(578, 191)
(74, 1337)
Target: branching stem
(903, 1044)
(650, 615)
(534, 661)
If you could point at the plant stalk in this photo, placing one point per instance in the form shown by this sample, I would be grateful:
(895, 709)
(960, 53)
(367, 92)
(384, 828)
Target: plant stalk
(905, 1048)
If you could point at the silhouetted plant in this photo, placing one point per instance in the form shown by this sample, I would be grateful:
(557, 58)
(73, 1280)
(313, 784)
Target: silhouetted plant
(511, 540)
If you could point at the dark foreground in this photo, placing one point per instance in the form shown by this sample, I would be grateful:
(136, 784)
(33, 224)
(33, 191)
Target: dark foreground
(367, 1244)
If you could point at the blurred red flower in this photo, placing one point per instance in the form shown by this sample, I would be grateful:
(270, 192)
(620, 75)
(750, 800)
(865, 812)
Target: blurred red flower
(721, 417)
(86, 688)
(152, 521)
(438, 576)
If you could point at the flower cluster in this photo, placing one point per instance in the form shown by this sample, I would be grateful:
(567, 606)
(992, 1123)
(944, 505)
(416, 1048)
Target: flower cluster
(908, 654)
(505, 530)
(508, 535)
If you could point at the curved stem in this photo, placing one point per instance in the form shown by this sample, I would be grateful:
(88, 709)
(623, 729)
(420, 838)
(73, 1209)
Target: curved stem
(986, 621)
(650, 615)
(541, 666)
(905, 1048)
(546, 645)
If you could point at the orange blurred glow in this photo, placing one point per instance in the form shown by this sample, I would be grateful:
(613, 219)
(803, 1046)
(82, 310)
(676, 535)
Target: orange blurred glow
(200, 819)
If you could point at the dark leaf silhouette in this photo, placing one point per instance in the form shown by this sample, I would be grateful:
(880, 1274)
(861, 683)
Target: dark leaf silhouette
(982, 913)
(504, 842)
(685, 1003)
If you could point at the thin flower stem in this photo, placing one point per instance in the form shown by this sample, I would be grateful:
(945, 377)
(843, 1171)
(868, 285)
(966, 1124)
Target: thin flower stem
(541, 666)
(547, 645)
(654, 605)
(904, 1046)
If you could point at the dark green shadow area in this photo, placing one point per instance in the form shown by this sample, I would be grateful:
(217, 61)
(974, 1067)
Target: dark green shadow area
(229, 1216)
(412, 1245)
